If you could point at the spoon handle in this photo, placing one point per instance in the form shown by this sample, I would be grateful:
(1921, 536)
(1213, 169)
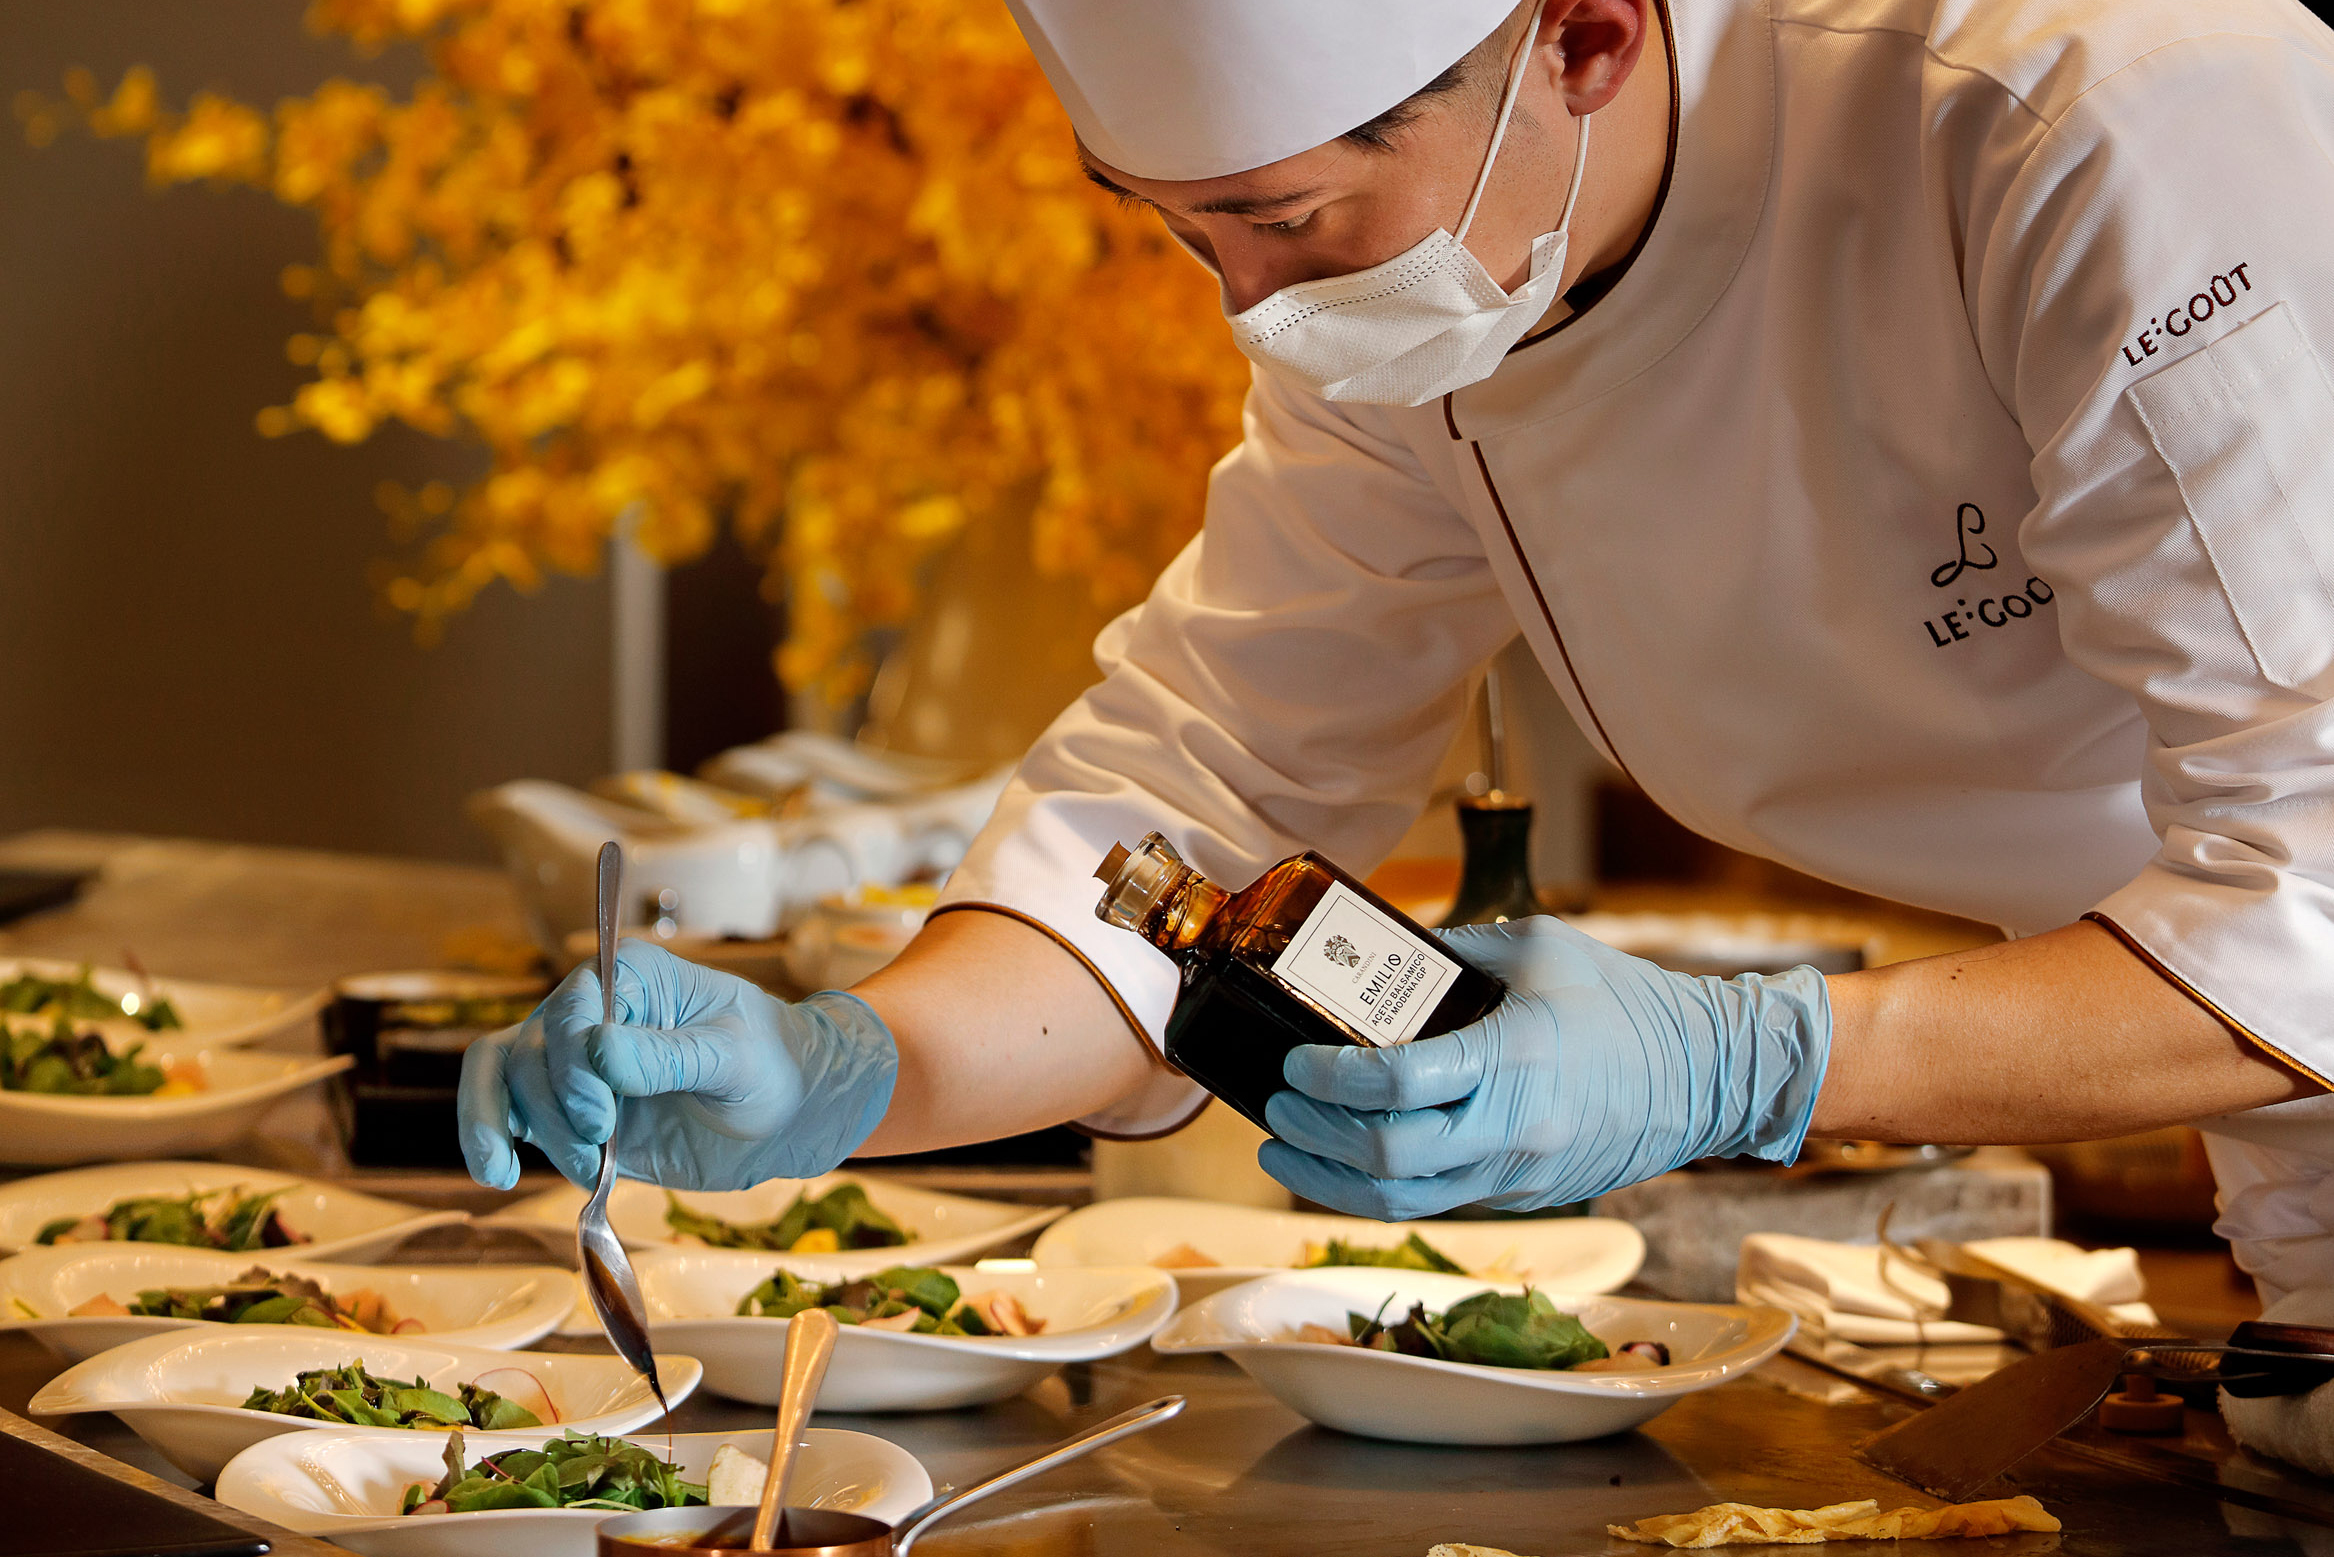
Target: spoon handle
(611, 884)
(810, 1343)
(1123, 1425)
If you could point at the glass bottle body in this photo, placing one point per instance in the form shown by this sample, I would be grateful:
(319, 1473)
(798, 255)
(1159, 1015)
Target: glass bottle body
(1304, 954)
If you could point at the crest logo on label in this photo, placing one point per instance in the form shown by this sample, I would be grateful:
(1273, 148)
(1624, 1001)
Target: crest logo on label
(1340, 950)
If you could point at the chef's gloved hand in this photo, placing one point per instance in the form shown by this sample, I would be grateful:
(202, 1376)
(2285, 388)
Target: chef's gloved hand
(1598, 1070)
(732, 1085)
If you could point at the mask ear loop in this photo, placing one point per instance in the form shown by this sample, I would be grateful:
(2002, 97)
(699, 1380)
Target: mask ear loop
(1515, 80)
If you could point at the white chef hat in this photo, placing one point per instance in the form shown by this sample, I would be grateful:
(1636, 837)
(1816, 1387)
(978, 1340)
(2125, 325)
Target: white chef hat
(1185, 89)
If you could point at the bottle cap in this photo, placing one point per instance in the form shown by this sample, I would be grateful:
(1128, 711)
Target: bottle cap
(1136, 881)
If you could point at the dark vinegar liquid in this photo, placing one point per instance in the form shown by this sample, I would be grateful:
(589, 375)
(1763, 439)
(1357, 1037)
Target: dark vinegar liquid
(1233, 1026)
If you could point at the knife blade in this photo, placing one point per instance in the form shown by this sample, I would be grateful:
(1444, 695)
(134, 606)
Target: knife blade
(1957, 1446)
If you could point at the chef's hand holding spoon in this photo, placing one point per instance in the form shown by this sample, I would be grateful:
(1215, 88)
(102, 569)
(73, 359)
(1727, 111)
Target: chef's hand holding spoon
(735, 1086)
(1598, 1070)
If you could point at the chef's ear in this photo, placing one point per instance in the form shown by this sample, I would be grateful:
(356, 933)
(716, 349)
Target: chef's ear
(1589, 47)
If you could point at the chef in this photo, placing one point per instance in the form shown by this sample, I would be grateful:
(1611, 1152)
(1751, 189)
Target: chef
(1902, 429)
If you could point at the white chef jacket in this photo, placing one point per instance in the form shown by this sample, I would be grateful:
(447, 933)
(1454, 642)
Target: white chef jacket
(1941, 503)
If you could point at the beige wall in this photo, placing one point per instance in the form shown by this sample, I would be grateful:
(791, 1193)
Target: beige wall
(188, 641)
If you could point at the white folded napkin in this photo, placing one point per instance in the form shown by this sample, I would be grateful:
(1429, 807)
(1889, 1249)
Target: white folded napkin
(1836, 1288)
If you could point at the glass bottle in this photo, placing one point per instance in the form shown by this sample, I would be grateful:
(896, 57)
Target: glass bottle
(1303, 954)
(1495, 874)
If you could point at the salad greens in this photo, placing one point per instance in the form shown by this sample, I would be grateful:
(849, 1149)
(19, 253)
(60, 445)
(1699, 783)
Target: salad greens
(206, 1219)
(1492, 1329)
(78, 1000)
(906, 1297)
(260, 1297)
(571, 1471)
(1412, 1253)
(65, 1062)
(353, 1396)
(842, 1218)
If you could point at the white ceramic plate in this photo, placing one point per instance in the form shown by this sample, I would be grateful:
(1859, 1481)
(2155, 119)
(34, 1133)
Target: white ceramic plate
(183, 1392)
(1426, 1400)
(494, 1306)
(692, 1297)
(341, 1224)
(216, 1015)
(44, 1130)
(946, 1227)
(346, 1485)
(1566, 1253)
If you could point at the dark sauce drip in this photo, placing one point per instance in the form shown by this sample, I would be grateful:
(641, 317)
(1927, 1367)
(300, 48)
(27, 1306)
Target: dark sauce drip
(608, 1299)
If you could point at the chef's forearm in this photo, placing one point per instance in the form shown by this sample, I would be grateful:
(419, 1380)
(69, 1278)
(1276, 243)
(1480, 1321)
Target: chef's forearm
(2058, 1037)
(1000, 1030)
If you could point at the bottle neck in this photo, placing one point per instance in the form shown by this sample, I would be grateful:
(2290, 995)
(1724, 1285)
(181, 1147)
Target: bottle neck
(1185, 913)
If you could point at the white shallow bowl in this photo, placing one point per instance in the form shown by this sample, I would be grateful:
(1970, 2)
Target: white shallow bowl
(692, 1297)
(493, 1306)
(216, 1015)
(345, 1486)
(1426, 1400)
(183, 1392)
(342, 1224)
(42, 1129)
(946, 1227)
(1566, 1253)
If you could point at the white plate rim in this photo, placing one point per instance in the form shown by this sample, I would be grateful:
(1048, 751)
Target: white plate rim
(171, 1175)
(309, 1522)
(1769, 1330)
(298, 1005)
(300, 1071)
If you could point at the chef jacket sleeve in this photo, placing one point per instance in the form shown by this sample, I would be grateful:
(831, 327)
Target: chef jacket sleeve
(2151, 277)
(1291, 683)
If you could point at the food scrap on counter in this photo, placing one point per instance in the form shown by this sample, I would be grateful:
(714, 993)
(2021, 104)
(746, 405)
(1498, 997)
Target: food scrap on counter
(1740, 1524)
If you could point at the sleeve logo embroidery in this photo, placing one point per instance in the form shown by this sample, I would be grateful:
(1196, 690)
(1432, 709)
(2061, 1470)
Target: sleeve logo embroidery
(1974, 555)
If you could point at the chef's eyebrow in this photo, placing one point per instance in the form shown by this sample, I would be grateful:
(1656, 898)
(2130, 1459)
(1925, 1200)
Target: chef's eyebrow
(1228, 205)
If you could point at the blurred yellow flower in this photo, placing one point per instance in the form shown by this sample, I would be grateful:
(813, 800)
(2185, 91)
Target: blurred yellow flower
(822, 268)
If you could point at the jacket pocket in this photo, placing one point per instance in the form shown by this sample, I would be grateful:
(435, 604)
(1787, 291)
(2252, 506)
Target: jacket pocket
(2247, 427)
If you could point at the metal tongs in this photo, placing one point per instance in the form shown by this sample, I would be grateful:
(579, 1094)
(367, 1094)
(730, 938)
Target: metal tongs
(607, 1269)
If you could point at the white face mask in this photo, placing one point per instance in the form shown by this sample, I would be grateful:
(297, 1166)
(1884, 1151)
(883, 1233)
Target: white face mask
(1426, 322)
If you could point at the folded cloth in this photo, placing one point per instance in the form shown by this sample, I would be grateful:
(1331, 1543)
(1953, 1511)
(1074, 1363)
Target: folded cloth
(2298, 1429)
(1837, 1289)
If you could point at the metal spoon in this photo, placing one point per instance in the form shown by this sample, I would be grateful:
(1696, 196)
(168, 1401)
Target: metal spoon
(607, 1270)
(810, 1345)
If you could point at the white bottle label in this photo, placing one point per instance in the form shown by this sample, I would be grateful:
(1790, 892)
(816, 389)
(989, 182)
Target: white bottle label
(1366, 967)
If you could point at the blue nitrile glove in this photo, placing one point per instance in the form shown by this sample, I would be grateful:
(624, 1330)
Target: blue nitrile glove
(734, 1086)
(1599, 1069)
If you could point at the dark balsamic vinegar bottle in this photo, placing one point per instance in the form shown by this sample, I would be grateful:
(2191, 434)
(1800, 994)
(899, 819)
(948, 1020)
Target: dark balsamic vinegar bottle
(1303, 954)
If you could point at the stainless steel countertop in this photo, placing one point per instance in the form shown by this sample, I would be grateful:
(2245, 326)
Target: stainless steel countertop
(1238, 1473)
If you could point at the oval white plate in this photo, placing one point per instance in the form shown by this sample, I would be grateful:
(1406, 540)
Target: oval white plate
(494, 1306)
(43, 1129)
(946, 1227)
(342, 1224)
(183, 1392)
(216, 1015)
(1426, 1400)
(692, 1297)
(345, 1486)
(1565, 1253)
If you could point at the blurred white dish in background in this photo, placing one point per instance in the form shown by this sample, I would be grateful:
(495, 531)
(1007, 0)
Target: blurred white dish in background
(492, 1306)
(1565, 1253)
(340, 1224)
(845, 939)
(217, 1015)
(692, 1297)
(945, 1227)
(1426, 1400)
(47, 1129)
(184, 1392)
(346, 1486)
